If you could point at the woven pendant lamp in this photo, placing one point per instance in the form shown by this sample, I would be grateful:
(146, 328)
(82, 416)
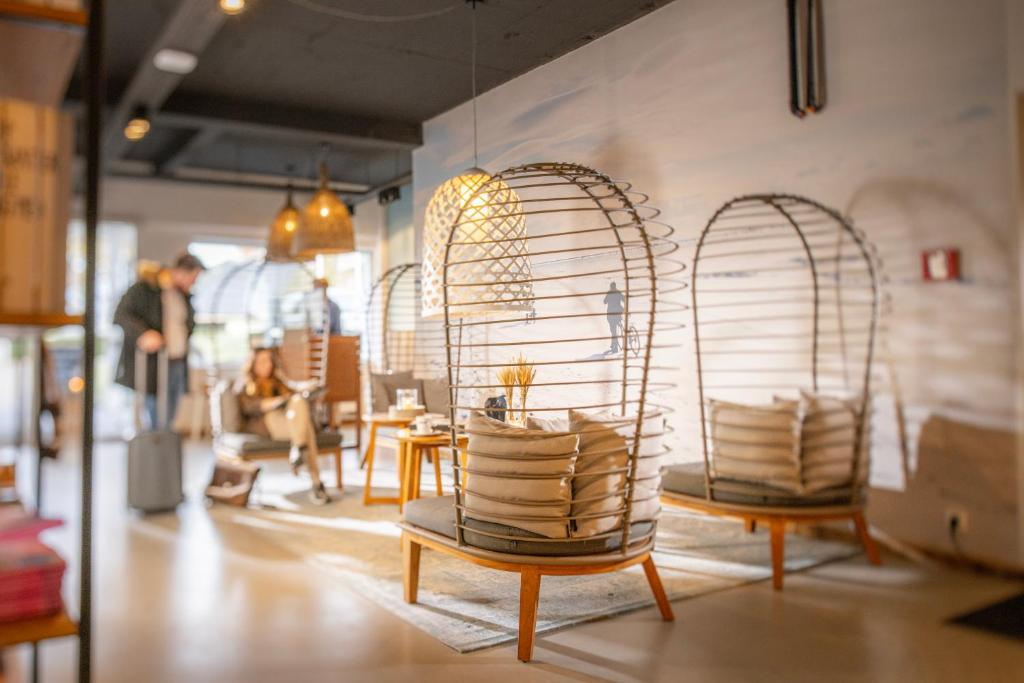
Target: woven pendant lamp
(326, 225)
(488, 223)
(489, 264)
(282, 231)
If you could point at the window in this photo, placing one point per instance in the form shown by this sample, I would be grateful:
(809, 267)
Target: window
(242, 301)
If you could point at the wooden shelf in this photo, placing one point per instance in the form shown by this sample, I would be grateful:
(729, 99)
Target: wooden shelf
(43, 14)
(39, 319)
(33, 630)
(39, 47)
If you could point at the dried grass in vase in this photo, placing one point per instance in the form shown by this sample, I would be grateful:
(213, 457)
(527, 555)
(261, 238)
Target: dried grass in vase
(525, 374)
(507, 377)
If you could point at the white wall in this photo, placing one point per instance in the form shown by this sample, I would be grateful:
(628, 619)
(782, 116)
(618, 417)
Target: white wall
(690, 104)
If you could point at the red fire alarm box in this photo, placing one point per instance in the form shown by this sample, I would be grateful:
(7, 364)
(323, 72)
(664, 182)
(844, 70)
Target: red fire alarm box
(940, 265)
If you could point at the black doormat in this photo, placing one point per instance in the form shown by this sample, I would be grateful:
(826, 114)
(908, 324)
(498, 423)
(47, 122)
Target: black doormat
(1004, 618)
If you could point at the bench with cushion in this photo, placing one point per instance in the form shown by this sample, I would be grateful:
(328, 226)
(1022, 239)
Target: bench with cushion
(228, 441)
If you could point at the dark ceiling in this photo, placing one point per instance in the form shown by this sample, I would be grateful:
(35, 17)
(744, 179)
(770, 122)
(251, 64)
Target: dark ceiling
(276, 81)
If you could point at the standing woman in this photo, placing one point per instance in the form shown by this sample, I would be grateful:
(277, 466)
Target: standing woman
(276, 408)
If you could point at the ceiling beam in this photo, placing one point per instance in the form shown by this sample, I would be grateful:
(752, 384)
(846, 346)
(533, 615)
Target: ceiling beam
(191, 27)
(249, 181)
(173, 159)
(272, 121)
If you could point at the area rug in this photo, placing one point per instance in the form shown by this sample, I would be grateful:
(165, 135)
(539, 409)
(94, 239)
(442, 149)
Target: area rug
(469, 608)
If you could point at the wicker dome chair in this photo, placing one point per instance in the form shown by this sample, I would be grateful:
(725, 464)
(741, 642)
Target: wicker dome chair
(785, 306)
(285, 307)
(556, 268)
(402, 345)
(403, 351)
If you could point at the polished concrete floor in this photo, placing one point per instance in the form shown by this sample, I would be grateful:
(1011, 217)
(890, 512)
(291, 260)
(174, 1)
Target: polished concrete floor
(179, 599)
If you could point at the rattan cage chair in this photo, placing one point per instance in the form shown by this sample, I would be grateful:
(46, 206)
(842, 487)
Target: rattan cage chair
(565, 266)
(785, 308)
(286, 307)
(399, 341)
(403, 351)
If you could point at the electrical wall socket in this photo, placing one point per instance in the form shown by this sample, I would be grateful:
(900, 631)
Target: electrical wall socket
(959, 513)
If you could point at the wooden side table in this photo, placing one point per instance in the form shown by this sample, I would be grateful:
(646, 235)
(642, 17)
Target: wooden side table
(411, 450)
(375, 421)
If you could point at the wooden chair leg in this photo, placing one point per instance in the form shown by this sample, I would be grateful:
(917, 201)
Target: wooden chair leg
(870, 547)
(437, 471)
(750, 525)
(778, 536)
(337, 470)
(464, 466)
(371, 446)
(416, 465)
(529, 597)
(659, 591)
(403, 475)
(410, 567)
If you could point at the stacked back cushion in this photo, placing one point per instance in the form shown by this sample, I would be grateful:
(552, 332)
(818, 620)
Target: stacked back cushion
(828, 439)
(385, 388)
(227, 416)
(434, 395)
(536, 494)
(602, 468)
(758, 444)
(647, 487)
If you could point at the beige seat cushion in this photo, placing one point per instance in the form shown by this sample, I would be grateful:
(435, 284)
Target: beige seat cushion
(758, 444)
(599, 484)
(519, 477)
(828, 439)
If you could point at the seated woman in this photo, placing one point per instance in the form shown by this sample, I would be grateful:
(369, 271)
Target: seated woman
(272, 406)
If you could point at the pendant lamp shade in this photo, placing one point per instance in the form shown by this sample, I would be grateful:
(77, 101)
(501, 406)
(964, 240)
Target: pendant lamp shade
(488, 262)
(282, 232)
(326, 225)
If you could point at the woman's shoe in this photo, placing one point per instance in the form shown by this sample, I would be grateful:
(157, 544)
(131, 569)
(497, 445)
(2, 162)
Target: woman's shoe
(296, 457)
(318, 495)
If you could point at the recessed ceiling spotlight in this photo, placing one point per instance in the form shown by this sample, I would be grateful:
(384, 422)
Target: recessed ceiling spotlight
(175, 61)
(232, 6)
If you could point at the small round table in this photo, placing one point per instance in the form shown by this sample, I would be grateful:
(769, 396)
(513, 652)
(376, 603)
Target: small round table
(374, 421)
(411, 450)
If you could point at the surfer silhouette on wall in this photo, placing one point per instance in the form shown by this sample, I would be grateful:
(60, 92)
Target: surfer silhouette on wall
(615, 304)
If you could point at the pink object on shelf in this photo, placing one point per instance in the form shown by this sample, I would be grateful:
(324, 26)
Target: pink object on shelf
(30, 580)
(16, 524)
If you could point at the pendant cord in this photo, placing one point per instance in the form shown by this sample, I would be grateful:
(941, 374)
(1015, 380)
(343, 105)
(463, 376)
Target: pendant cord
(476, 161)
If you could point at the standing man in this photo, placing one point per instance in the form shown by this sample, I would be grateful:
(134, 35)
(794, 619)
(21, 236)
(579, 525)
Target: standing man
(156, 313)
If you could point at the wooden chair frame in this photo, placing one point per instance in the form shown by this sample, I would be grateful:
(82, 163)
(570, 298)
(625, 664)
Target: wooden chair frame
(530, 570)
(777, 519)
(332, 451)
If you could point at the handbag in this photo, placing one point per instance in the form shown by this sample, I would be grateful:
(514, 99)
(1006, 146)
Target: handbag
(232, 481)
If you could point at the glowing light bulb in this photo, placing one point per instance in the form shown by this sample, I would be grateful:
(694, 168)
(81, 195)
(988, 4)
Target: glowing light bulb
(324, 212)
(232, 6)
(138, 125)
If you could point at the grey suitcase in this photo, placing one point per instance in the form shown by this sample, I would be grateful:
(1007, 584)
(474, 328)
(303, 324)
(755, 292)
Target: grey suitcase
(154, 457)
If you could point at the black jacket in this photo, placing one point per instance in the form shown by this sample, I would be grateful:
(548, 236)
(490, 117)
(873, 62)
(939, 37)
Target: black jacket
(139, 310)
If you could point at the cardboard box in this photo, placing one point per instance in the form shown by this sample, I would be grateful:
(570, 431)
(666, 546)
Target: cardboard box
(35, 199)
